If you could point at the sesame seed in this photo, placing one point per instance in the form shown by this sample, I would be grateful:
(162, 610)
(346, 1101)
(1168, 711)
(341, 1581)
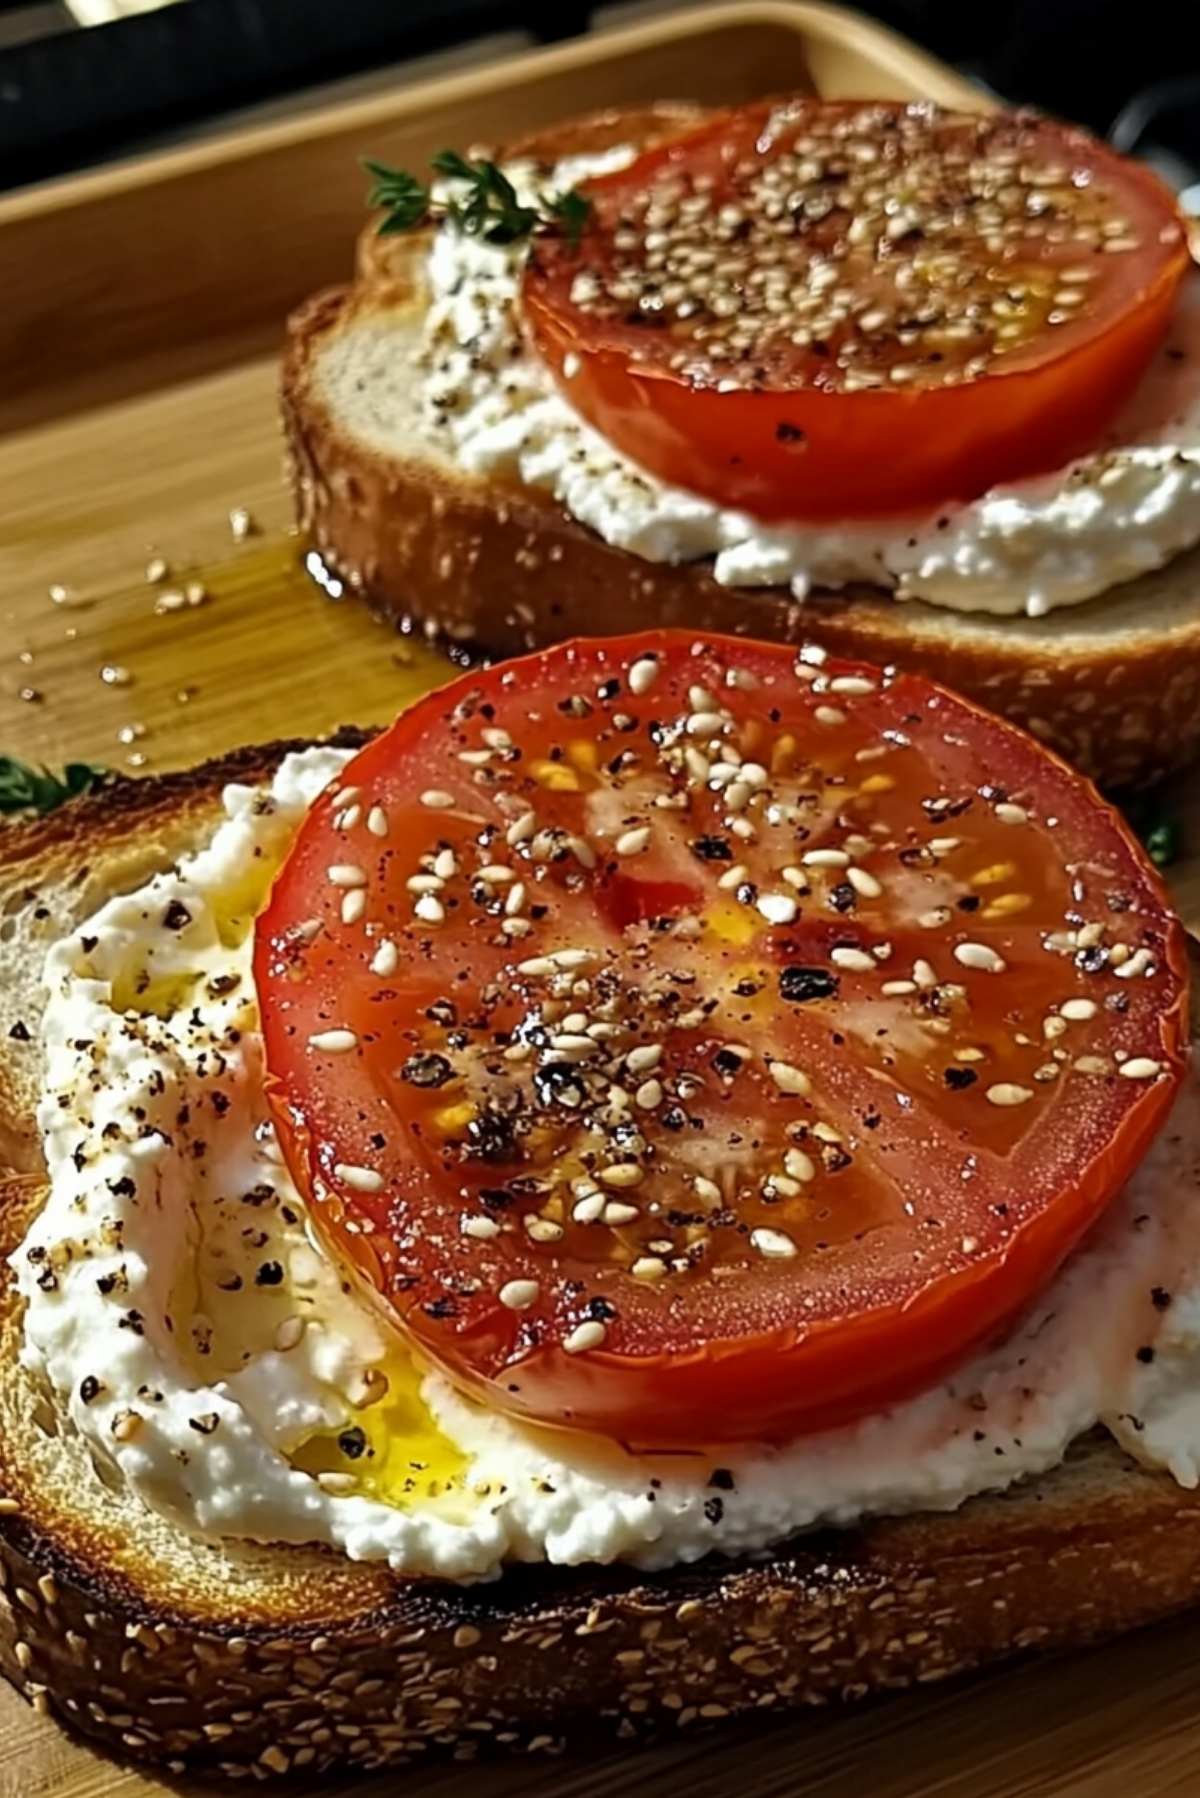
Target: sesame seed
(354, 905)
(707, 1190)
(514, 927)
(944, 845)
(825, 858)
(538, 967)
(649, 1095)
(583, 852)
(1091, 1064)
(776, 1245)
(1005, 1093)
(347, 795)
(632, 842)
(1140, 962)
(572, 958)
(1078, 1010)
(436, 799)
(648, 1267)
(778, 908)
(617, 1214)
(621, 1173)
(898, 989)
(1140, 1067)
(799, 1166)
(856, 960)
(333, 1042)
(924, 975)
(704, 724)
(288, 1334)
(864, 883)
(521, 830)
(642, 1059)
(347, 874)
(495, 738)
(386, 959)
(829, 714)
(482, 1228)
(336, 1484)
(584, 1336)
(1011, 814)
(542, 1229)
(933, 920)
(589, 1208)
(377, 821)
(851, 683)
(361, 1179)
(518, 1295)
(347, 819)
(1053, 1027)
(698, 765)
(980, 956)
(424, 883)
(429, 909)
(789, 1079)
(445, 864)
(496, 874)
(732, 877)
(642, 675)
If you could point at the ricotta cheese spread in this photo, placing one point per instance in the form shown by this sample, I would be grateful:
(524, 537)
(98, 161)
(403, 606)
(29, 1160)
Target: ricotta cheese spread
(1027, 547)
(197, 1336)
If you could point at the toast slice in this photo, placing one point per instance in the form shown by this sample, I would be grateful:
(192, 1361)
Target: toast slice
(255, 1660)
(497, 568)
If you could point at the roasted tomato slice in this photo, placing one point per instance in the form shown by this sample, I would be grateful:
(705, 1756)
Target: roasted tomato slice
(691, 1042)
(814, 309)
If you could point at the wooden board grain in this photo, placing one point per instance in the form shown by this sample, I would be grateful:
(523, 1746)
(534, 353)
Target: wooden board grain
(178, 428)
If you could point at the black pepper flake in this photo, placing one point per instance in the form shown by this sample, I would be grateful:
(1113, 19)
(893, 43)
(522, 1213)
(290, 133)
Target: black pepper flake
(842, 896)
(789, 433)
(1160, 1298)
(427, 1070)
(714, 1509)
(1145, 1355)
(177, 916)
(133, 1320)
(799, 985)
(958, 1079)
(443, 1307)
(722, 1479)
(90, 1388)
(601, 1310)
(269, 1274)
(712, 849)
(205, 1424)
(19, 1032)
(353, 1443)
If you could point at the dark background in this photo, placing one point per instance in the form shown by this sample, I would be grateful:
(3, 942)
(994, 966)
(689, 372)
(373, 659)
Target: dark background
(69, 97)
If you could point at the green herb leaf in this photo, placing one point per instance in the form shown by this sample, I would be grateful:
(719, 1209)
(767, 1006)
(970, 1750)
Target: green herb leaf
(1162, 842)
(488, 205)
(23, 788)
(572, 211)
(401, 195)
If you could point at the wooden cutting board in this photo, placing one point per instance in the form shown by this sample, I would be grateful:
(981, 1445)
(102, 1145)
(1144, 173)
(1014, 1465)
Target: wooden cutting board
(158, 423)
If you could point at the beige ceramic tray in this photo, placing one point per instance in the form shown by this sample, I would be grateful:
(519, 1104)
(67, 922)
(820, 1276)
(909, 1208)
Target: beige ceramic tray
(141, 307)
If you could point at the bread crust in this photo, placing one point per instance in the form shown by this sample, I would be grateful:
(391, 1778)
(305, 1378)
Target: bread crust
(256, 1661)
(497, 569)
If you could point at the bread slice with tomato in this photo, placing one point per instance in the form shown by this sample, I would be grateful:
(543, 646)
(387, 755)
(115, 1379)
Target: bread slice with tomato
(492, 564)
(210, 1651)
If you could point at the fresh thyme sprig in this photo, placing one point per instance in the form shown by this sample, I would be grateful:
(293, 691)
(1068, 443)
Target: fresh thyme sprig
(489, 207)
(25, 789)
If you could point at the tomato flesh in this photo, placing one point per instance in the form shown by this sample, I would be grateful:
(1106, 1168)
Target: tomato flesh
(808, 309)
(715, 1050)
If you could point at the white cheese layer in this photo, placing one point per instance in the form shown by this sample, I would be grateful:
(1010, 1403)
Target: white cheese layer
(1027, 547)
(167, 1278)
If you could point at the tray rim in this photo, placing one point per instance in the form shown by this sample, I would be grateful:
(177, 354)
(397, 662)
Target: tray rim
(817, 19)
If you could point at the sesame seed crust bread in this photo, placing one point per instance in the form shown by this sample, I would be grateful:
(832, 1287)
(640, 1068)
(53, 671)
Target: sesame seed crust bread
(499, 568)
(255, 1660)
